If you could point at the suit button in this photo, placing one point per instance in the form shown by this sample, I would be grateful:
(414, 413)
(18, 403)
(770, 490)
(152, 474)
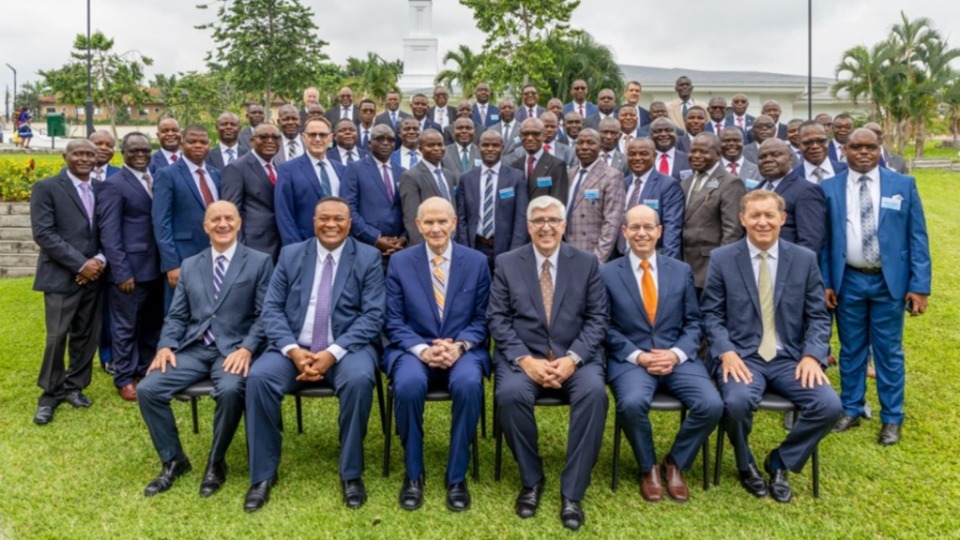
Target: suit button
(214, 317)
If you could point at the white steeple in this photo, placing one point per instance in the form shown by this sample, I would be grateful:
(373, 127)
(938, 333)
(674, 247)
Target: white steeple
(420, 56)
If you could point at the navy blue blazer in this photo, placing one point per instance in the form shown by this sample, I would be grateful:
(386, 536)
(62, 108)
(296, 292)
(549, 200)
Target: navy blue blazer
(731, 304)
(111, 170)
(215, 157)
(296, 195)
(510, 209)
(522, 111)
(664, 194)
(589, 109)
(178, 211)
(333, 154)
(681, 163)
(124, 210)
(158, 161)
(493, 115)
(832, 150)
(806, 208)
(412, 317)
(838, 168)
(372, 213)
(749, 119)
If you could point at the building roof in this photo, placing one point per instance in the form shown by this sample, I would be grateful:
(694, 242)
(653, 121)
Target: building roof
(656, 76)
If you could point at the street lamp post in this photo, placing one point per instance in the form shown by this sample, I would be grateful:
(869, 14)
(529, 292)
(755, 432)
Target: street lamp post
(14, 91)
(89, 104)
(809, 59)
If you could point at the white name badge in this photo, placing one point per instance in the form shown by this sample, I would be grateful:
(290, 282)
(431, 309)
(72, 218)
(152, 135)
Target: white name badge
(890, 203)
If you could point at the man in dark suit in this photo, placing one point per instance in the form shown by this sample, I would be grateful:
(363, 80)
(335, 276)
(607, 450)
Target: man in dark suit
(65, 228)
(105, 144)
(442, 114)
(528, 103)
(606, 108)
(560, 150)
(255, 117)
(817, 165)
(464, 110)
(427, 179)
(767, 326)
(611, 137)
(134, 289)
(228, 148)
(545, 174)
(876, 265)
(731, 157)
(407, 155)
(645, 186)
(572, 124)
(249, 183)
(793, 139)
(595, 199)
(717, 112)
(508, 127)
(631, 98)
(484, 112)
(345, 109)
(763, 128)
(436, 325)
(670, 160)
(418, 109)
(322, 316)
(804, 204)
(345, 150)
(629, 128)
(392, 115)
(311, 99)
(738, 116)
(461, 156)
(291, 144)
(548, 316)
(491, 203)
(580, 103)
(653, 342)
(367, 114)
(713, 202)
(213, 330)
(772, 110)
(168, 134)
(303, 182)
(694, 124)
(842, 127)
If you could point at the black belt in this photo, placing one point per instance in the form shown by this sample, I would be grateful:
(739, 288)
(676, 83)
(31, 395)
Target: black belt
(867, 271)
(483, 241)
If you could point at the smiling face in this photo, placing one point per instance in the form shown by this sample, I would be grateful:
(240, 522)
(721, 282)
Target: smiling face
(663, 133)
(346, 135)
(813, 143)
(640, 156)
(222, 224)
(381, 142)
(740, 104)
(579, 90)
(168, 133)
(703, 155)
(104, 142)
(696, 121)
(316, 137)
(463, 131)
(431, 146)
(774, 159)
(331, 223)
(491, 147)
(641, 228)
(419, 106)
(136, 153)
(289, 122)
(228, 127)
(80, 157)
(266, 141)
(684, 88)
(762, 219)
(436, 221)
(255, 115)
(862, 151)
(546, 227)
(531, 135)
(731, 143)
(628, 119)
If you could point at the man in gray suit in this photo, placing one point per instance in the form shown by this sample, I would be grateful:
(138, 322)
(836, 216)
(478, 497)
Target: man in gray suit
(213, 330)
(508, 127)
(731, 153)
(428, 178)
(563, 152)
(228, 148)
(610, 135)
(463, 154)
(763, 128)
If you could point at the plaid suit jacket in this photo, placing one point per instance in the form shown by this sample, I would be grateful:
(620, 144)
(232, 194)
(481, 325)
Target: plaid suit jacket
(596, 212)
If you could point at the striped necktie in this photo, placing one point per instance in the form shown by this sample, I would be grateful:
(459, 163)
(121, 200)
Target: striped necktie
(439, 284)
(487, 222)
(218, 272)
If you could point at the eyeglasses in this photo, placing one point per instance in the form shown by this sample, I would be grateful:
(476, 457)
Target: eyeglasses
(382, 138)
(858, 147)
(315, 135)
(268, 137)
(645, 228)
(531, 133)
(138, 151)
(811, 142)
(543, 222)
(717, 107)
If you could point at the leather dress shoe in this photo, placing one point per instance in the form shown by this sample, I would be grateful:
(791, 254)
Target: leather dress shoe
(651, 489)
(676, 484)
(753, 481)
(458, 497)
(259, 494)
(779, 486)
(173, 469)
(128, 392)
(529, 500)
(846, 422)
(43, 415)
(411, 493)
(77, 399)
(571, 514)
(354, 492)
(889, 434)
(109, 368)
(213, 478)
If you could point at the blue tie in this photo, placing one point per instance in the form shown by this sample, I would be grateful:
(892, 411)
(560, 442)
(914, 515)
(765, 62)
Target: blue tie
(230, 156)
(218, 272)
(321, 314)
(413, 158)
(487, 221)
(325, 180)
(442, 184)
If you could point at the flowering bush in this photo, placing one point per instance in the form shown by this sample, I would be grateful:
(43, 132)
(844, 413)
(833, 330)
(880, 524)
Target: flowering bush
(19, 172)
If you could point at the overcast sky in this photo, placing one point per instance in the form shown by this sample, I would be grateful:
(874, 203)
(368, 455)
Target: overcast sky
(748, 35)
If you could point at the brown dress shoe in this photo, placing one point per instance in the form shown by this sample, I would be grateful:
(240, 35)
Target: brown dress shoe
(676, 485)
(128, 392)
(651, 488)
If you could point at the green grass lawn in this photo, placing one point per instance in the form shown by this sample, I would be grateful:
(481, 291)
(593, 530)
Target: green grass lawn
(82, 476)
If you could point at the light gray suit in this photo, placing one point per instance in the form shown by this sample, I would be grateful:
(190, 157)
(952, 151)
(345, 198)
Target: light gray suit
(452, 159)
(564, 152)
(513, 140)
(750, 152)
(746, 171)
(417, 185)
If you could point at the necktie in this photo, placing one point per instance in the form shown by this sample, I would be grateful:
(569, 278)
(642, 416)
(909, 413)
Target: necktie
(547, 148)
(87, 197)
(576, 188)
(464, 159)
(483, 114)
(174, 158)
(218, 272)
(346, 113)
(637, 188)
(413, 158)
(606, 158)
(581, 111)
(733, 167)
(740, 122)
(487, 221)
(325, 180)
(388, 183)
(365, 141)
(698, 179)
(719, 128)
(271, 174)
(149, 182)
(321, 314)
(349, 157)
(768, 342)
(393, 119)
(98, 174)
(506, 134)
(818, 174)
(439, 285)
(291, 149)
(442, 184)
(868, 225)
(626, 142)
(664, 166)
(684, 109)
(230, 155)
(649, 291)
(205, 189)
(441, 117)
(533, 114)
(530, 161)
(546, 288)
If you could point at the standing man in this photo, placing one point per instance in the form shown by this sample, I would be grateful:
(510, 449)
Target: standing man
(731, 153)
(670, 160)
(717, 111)
(767, 327)
(572, 124)
(529, 107)
(228, 148)
(627, 117)
(551, 145)
(842, 126)
(678, 107)
(68, 271)
(817, 165)
(631, 97)
(548, 315)
(595, 202)
(738, 117)
(168, 134)
(441, 113)
(291, 145)
(368, 111)
(545, 174)
(804, 203)
(462, 155)
(606, 108)
(579, 103)
(887, 159)
(345, 109)
(763, 128)
(611, 137)
(661, 192)
(392, 115)
(105, 144)
(793, 138)
(418, 106)
(508, 127)
(695, 124)
(311, 99)
(408, 155)
(254, 118)
(485, 113)
(427, 179)
(771, 109)
(213, 330)
(464, 109)
(876, 266)
(345, 149)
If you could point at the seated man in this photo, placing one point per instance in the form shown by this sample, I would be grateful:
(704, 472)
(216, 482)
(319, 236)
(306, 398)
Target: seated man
(767, 326)
(438, 339)
(322, 316)
(212, 330)
(653, 342)
(548, 316)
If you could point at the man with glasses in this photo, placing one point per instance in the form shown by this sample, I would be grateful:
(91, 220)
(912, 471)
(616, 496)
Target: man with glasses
(842, 126)
(545, 174)
(764, 128)
(345, 109)
(816, 166)
(368, 111)
(717, 111)
(738, 116)
(529, 108)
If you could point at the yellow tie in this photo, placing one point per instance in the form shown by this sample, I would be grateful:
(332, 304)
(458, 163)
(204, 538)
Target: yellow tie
(768, 343)
(546, 288)
(439, 284)
(649, 291)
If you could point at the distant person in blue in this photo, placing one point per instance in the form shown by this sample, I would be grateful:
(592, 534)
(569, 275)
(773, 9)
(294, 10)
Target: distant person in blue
(23, 127)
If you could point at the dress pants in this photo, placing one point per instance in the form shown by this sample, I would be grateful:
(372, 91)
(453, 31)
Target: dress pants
(73, 325)
(819, 410)
(689, 382)
(135, 323)
(411, 379)
(868, 316)
(587, 394)
(195, 363)
(273, 375)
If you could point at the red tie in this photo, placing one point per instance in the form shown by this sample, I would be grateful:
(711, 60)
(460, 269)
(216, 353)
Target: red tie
(547, 147)
(664, 167)
(173, 158)
(272, 175)
(205, 189)
(532, 113)
(719, 128)
(733, 167)
(530, 161)
(740, 122)
(581, 109)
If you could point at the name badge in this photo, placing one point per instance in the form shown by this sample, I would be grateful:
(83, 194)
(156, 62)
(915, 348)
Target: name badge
(494, 117)
(545, 181)
(516, 140)
(685, 173)
(591, 194)
(890, 203)
(506, 193)
(713, 184)
(477, 162)
(652, 203)
(751, 184)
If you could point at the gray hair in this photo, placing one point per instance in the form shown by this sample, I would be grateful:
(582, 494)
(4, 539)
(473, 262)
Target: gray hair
(543, 202)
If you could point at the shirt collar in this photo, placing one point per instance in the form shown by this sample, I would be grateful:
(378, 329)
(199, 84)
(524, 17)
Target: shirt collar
(76, 181)
(591, 166)
(136, 173)
(873, 174)
(263, 162)
(228, 253)
(495, 168)
(316, 162)
(635, 261)
(540, 258)
(447, 253)
(670, 153)
(235, 147)
(322, 253)
(193, 166)
(773, 252)
(825, 165)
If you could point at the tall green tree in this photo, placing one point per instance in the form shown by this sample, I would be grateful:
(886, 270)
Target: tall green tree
(951, 99)
(197, 97)
(466, 71)
(372, 76)
(580, 56)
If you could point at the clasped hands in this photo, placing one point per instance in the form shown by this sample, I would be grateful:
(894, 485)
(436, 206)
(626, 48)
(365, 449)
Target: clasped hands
(443, 353)
(311, 365)
(548, 373)
(390, 244)
(91, 271)
(658, 362)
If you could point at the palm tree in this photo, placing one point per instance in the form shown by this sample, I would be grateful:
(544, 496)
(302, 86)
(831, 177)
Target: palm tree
(951, 99)
(465, 75)
(373, 76)
(582, 57)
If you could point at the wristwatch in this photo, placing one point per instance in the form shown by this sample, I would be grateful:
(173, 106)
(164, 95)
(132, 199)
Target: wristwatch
(463, 347)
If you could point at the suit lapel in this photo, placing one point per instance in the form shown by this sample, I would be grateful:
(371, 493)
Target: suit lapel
(886, 191)
(783, 268)
(187, 177)
(257, 170)
(625, 271)
(746, 272)
(701, 194)
(421, 267)
(134, 183)
(560, 284)
(377, 174)
(67, 186)
(454, 278)
(665, 287)
(590, 180)
(531, 274)
(343, 270)
(306, 279)
(206, 275)
(309, 171)
(236, 266)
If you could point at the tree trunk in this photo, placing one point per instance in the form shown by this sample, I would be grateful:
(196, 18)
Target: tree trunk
(921, 137)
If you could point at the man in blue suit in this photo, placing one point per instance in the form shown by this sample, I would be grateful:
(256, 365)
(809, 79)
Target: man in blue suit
(805, 206)
(738, 116)
(767, 326)
(304, 181)
(841, 128)
(491, 203)
(228, 148)
(654, 341)
(528, 107)
(181, 195)
(418, 109)
(816, 166)
(346, 149)
(876, 265)
(436, 326)
(322, 316)
(169, 136)
(105, 144)
(645, 186)
(485, 113)
(578, 91)
(670, 160)
(213, 331)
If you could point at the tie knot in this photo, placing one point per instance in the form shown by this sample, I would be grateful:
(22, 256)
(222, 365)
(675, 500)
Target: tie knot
(438, 260)
(583, 172)
(547, 264)
(328, 259)
(644, 265)
(85, 187)
(146, 176)
(230, 151)
(864, 179)
(412, 153)
(221, 260)
(764, 255)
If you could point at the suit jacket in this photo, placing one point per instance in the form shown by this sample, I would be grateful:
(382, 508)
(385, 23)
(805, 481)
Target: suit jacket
(516, 318)
(395, 158)
(806, 208)
(448, 136)
(681, 165)
(893, 162)
(618, 161)
(596, 212)
(412, 317)
(643, 116)
(124, 211)
(492, 117)
(233, 316)
(748, 120)
(356, 310)
(333, 154)
(664, 194)
(547, 167)
(428, 123)
(247, 185)
(731, 304)
(902, 234)
(838, 169)
(589, 109)
(564, 152)
(296, 195)
(177, 213)
(510, 209)
(63, 231)
(684, 140)
(712, 219)
(675, 110)
(512, 141)
(243, 138)
(593, 121)
(333, 114)
(751, 151)
(748, 172)
(384, 118)
(451, 114)
(834, 150)
(451, 158)
(215, 157)
(417, 185)
(158, 161)
(522, 111)
(372, 212)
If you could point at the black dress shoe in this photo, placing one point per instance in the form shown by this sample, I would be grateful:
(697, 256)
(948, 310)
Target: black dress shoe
(411, 493)
(173, 469)
(354, 493)
(458, 497)
(109, 368)
(846, 422)
(571, 514)
(779, 486)
(77, 399)
(43, 415)
(753, 481)
(213, 478)
(258, 494)
(529, 500)
(889, 434)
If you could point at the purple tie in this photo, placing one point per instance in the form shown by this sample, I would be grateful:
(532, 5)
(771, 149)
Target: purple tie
(387, 183)
(87, 198)
(321, 315)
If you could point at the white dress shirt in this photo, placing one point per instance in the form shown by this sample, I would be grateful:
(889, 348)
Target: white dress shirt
(773, 255)
(638, 275)
(351, 152)
(76, 185)
(331, 174)
(305, 338)
(854, 232)
(225, 156)
(827, 167)
(483, 186)
(169, 155)
(671, 154)
(576, 186)
(285, 147)
(447, 255)
(405, 157)
(194, 168)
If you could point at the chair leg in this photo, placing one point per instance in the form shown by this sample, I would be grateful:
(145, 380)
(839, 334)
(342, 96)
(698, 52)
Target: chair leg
(299, 414)
(614, 483)
(388, 434)
(483, 414)
(383, 417)
(193, 410)
(706, 464)
(497, 454)
(476, 458)
(719, 458)
(816, 472)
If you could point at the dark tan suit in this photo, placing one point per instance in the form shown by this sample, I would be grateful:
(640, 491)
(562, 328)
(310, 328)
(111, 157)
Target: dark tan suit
(711, 219)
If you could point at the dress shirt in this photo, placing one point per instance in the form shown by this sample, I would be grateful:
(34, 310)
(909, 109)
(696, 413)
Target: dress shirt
(227, 254)
(285, 147)
(331, 173)
(827, 167)
(773, 255)
(207, 178)
(576, 186)
(631, 195)
(854, 233)
(346, 112)
(638, 275)
(440, 116)
(76, 185)
(445, 268)
(344, 153)
(263, 163)
(99, 173)
(706, 175)
(139, 176)
(671, 154)
(169, 156)
(506, 129)
(483, 186)
(553, 258)
(226, 157)
(405, 157)
(739, 162)
(306, 332)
